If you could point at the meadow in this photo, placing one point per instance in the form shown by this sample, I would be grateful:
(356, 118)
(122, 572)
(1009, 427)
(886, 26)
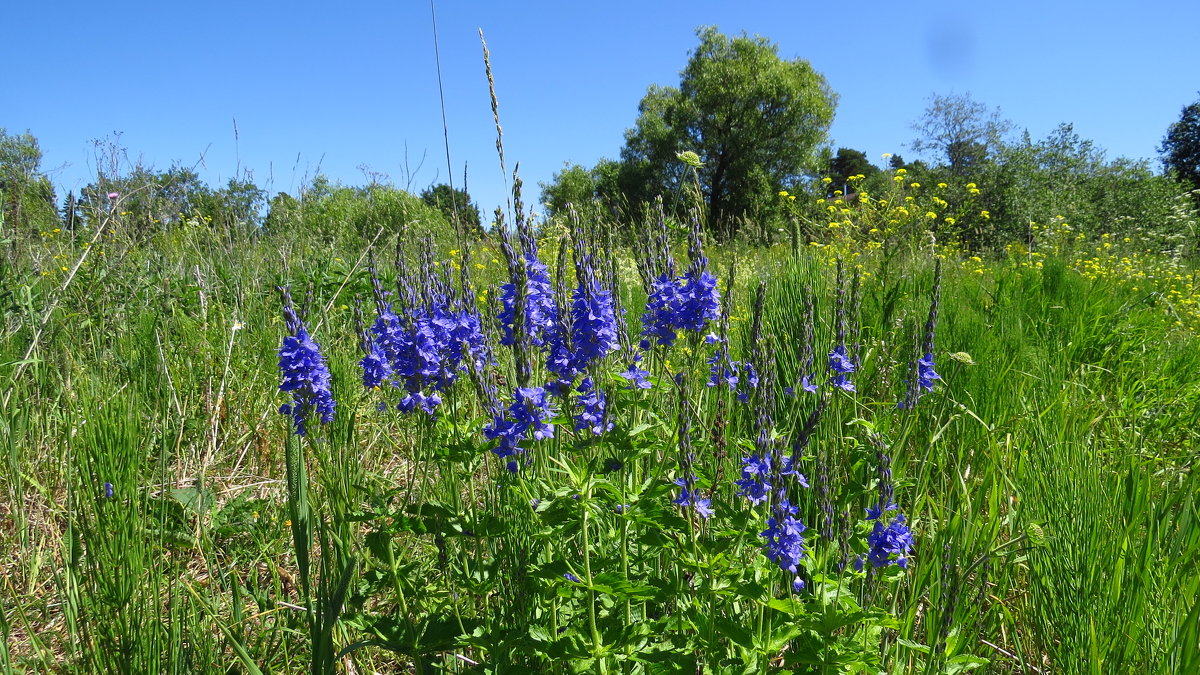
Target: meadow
(863, 447)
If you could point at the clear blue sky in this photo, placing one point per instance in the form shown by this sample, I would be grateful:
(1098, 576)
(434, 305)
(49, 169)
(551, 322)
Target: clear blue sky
(331, 87)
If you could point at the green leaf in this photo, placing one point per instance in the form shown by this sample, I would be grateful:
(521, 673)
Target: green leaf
(199, 500)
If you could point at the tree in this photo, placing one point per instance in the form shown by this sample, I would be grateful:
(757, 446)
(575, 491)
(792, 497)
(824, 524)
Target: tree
(572, 185)
(26, 193)
(1181, 147)
(960, 129)
(755, 120)
(846, 163)
(456, 205)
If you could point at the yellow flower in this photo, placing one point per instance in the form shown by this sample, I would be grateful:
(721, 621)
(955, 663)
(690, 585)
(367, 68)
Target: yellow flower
(901, 172)
(914, 185)
(985, 215)
(886, 155)
(480, 266)
(949, 221)
(971, 186)
(942, 185)
(783, 193)
(974, 191)
(827, 180)
(931, 215)
(792, 198)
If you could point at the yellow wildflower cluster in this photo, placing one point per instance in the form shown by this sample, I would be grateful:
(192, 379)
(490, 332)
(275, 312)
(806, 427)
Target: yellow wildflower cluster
(857, 224)
(1115, 259)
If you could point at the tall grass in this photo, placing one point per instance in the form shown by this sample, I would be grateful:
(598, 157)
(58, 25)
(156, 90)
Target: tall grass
(1047, 480)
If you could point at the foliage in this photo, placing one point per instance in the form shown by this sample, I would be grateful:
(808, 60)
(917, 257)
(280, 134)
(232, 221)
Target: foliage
(333, 211)
(846, 163)
(455, 204)
(1066, 177)
(961, 131)
(28, 197)
(1181, 147)
(755, 120)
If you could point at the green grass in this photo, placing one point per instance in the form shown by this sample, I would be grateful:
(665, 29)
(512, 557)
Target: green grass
(1048, 481)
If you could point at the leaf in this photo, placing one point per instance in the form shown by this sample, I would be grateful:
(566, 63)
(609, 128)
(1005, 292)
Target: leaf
(915, 646)
(198, 500)
(964, 662)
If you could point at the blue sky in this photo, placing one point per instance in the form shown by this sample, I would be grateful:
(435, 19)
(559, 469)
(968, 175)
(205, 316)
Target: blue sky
(343, 88)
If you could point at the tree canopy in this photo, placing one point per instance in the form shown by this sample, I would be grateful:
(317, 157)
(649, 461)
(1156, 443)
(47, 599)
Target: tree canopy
(961, 130)
(1181, 147)
(456, 205)
(755, 120)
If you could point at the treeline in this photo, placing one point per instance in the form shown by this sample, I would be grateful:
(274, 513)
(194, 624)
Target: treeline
(149, 200)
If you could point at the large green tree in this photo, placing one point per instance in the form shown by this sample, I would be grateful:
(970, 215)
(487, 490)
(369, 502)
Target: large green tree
(1181, 147)
(755, 120)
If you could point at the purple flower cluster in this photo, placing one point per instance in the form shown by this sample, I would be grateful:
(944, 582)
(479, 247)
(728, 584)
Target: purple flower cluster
(689, 495)
(686, 302)
(593, 324)
(593, 406)
(922, 373)
(889, 544)
(637, 376)
(305, 374)
(760, 475)
(841, 365)
(925, 372)
(785, 538)
(528, 416)
(422, 353)
(541, 312)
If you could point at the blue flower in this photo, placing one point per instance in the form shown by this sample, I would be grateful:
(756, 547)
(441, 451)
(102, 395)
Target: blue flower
(375, 366)
(592, 404)
(700, 301)
(841, 364)
(305, 376)
(528, 415)
(637, 377)
(662, 311)
(108, 490)
(690, 496)
(785, 538)
(925, 373)
(572, 578)
(754, 484)
(541, 312)
(890, 544)
(807, 384)
(593, 324)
